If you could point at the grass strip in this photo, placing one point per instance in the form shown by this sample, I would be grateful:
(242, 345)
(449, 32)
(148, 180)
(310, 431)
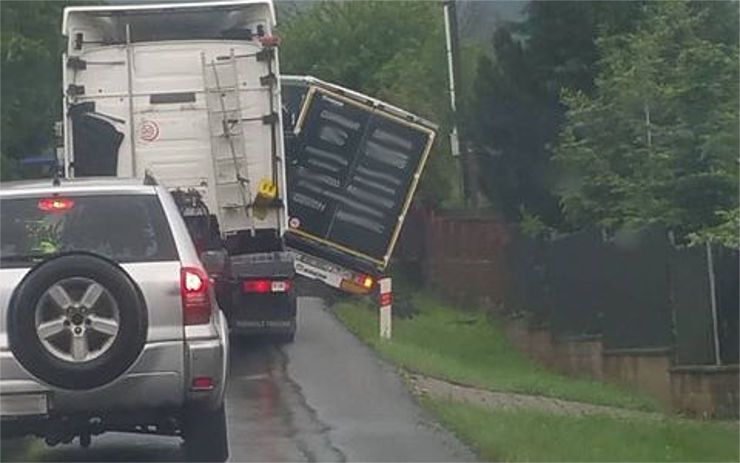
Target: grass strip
(465, 347)
(536, 436)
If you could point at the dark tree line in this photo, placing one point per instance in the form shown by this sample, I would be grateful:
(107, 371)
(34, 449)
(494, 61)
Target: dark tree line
(613, 114)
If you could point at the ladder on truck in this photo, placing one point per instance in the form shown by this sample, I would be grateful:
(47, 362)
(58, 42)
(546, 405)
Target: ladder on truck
(233, 190)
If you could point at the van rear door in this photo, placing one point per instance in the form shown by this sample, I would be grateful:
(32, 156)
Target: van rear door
(353, 166)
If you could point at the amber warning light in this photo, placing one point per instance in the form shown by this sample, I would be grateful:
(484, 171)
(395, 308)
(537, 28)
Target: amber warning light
(360, 284)
(365, 280)
(270, 41)
(55, 204)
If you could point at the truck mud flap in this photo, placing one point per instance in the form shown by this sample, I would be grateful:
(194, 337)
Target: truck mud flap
(96, 143)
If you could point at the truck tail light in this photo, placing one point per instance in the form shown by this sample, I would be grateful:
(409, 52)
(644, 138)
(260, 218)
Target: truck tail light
(196, 298)
(360, 284)
(366, 281)
(266, 286)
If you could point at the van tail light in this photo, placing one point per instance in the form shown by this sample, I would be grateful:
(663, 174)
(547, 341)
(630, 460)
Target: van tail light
(266, 286)
(196, 298)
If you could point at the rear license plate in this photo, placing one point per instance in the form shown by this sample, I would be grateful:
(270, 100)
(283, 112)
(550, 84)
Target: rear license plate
(279, 287)
(23, 404)
(264, 324)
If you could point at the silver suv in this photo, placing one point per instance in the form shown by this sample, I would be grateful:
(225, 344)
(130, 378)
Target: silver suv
(109, 321)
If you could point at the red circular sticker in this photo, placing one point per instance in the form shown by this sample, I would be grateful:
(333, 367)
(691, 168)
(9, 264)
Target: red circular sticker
(294, 222)
(149, 130)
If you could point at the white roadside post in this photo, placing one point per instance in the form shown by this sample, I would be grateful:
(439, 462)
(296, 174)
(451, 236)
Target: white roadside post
(385, 299)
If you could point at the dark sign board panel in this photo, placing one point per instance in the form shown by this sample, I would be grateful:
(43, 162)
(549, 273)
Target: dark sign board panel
(292, 93)
(353, 168)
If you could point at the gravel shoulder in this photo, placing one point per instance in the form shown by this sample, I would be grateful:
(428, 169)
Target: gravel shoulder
(440, 389)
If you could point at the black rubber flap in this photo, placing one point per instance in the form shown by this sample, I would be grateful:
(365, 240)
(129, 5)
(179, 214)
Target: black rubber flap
(96, 144)
(350, 175)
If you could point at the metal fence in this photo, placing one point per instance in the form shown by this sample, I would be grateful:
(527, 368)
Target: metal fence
(634, 289)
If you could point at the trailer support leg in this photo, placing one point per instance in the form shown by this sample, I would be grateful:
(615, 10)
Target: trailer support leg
(386, 299)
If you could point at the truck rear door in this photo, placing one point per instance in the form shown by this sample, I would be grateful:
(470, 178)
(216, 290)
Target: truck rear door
(353, 166)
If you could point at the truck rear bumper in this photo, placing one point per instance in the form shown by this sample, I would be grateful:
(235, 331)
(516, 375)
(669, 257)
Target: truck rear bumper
(263, 313)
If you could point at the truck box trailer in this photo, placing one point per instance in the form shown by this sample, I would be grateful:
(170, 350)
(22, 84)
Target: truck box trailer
(353, 165)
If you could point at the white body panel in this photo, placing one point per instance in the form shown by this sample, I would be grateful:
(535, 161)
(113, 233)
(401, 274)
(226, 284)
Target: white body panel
(178, 141)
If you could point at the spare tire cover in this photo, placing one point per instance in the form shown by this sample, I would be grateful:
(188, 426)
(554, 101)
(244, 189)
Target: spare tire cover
(77, 321)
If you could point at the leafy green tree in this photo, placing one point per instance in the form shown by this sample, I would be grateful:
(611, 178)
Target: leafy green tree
(657, 141)
(30, 78)
(515, 111)
(391, 50)
(510, 120)
(349, 42)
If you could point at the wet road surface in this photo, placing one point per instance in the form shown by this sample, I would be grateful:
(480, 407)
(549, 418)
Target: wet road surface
(326, 397)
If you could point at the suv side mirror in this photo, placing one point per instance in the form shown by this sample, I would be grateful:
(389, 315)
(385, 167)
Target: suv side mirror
(216, 263)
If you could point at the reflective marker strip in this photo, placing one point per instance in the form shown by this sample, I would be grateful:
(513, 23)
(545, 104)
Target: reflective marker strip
(385, 287)
(386, 297)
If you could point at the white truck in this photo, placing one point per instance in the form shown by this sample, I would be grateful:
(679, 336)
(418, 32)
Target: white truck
(190, 94)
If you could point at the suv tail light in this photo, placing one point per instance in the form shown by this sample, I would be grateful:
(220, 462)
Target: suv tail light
(55, 204)
(202, 383)
(266, 286)
(196, 299)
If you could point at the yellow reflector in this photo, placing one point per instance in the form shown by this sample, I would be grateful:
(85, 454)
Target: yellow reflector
(267, 189)
(266, 194)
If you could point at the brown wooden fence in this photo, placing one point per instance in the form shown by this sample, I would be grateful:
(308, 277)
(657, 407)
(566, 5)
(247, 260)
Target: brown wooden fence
(459, 252)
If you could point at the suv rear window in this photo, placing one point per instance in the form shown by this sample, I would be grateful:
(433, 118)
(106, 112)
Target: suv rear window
(123, 228)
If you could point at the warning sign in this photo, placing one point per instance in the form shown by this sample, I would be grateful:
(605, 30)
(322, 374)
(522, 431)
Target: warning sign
(148, 130)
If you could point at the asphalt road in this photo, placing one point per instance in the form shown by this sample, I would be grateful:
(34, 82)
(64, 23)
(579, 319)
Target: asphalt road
(326, 397)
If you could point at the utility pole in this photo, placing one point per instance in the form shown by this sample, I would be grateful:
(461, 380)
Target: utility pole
(453, 52)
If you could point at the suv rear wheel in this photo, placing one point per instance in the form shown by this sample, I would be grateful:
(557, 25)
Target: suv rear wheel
(205, 434)
(77, 322)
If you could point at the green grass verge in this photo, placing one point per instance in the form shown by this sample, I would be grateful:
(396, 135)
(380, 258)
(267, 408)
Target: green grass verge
(463, 346)
(536, 436)
(22, 449)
